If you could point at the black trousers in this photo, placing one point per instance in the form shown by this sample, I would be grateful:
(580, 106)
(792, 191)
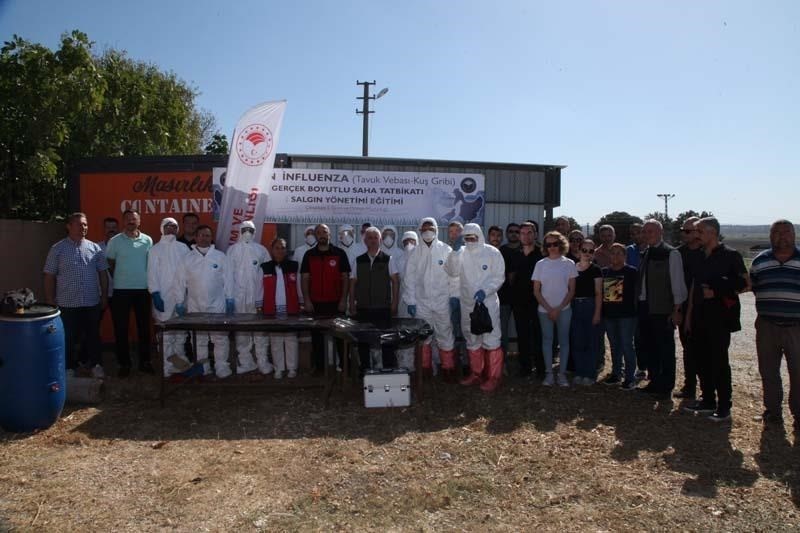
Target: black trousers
(322, 310)
(710, 341)
(382, 318)
(529, 338)
(689, 361)
(657, 336)
(82, 326)
(124, 301)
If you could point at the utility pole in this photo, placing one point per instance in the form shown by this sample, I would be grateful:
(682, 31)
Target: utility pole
(666, 197)
(365, 111)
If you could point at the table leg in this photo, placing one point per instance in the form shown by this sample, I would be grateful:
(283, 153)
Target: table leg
(162, 394)
(418, 368)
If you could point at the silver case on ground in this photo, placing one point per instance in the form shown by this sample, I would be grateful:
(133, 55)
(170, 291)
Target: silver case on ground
(387, 388)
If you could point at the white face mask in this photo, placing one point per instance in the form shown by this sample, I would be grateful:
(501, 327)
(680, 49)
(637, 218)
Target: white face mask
(168, 238)
(311, 240)
(472, 245)
(346, 239)
(388, 241)
(203, 251)
(428, 236)
(410, 247)
(247, 236)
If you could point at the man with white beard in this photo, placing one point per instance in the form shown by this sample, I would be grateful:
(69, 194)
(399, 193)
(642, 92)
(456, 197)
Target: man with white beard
(164, 261)
(245, 258)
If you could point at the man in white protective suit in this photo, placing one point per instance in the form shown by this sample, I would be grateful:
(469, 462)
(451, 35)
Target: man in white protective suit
(164, 261)
(310, 242)
(389, 242)
(427, 292)
(481, 272)
(207, 279)
(405, 356)
(245, 259)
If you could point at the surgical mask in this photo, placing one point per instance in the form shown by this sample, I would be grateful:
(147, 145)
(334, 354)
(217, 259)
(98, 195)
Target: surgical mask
(247, 236)
(168, 238)
(311, 240)
(203, 251)
(410, 247)
(346, 239)
(428, 236)
(388, 241)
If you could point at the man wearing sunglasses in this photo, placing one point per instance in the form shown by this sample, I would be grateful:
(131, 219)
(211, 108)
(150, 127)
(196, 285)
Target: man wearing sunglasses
(692, 255)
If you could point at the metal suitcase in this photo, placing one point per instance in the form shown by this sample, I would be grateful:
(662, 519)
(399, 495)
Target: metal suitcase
(387, 388)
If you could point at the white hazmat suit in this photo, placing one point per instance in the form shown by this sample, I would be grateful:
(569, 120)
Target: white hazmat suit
(245, 259)
(427, 291)
(390, 240)
(208, 282)
(480, 269)
(405, 356)
(164, 262)
(310, 242)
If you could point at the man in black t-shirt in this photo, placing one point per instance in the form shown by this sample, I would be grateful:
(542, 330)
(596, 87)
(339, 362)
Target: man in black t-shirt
(523, 305)
(509, 250)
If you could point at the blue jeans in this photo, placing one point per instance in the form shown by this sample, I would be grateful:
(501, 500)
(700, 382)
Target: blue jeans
(505, 317)
(563, 321)
(621, 332)
(584, 338)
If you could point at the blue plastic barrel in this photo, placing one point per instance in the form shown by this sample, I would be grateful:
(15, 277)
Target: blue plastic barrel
(32, 373)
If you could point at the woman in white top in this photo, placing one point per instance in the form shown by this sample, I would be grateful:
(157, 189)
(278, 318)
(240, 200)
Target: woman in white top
(554, 286)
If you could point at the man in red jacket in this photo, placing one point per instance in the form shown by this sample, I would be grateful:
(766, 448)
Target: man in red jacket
(281, 297)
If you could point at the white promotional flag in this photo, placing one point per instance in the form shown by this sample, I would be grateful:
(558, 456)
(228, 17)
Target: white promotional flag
(249, 167)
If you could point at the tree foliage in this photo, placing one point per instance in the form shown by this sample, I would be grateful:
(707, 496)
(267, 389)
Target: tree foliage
(218, 145)
(59, 106)
(621, 221)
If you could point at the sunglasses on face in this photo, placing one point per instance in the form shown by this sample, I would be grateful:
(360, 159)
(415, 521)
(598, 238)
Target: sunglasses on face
(687, 231)
(587, 250)
(575, 240)
(552, 244)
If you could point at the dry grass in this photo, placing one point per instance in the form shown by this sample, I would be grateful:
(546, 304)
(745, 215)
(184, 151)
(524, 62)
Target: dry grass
(528, 458)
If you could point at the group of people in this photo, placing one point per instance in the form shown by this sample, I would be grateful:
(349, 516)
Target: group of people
(566, 293)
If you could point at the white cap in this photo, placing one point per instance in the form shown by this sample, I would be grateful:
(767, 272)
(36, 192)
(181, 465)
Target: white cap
(247, 224)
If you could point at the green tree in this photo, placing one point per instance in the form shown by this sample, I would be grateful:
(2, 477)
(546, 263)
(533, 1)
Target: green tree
(218, 145)
(621, 220)
(59, 106)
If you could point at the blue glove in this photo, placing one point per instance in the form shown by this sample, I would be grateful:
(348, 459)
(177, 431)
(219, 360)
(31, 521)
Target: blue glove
(480, 296)
(158, 303)
(180, 310)
(455, 305)
(229, 306)
(412, 310)
(458, 243)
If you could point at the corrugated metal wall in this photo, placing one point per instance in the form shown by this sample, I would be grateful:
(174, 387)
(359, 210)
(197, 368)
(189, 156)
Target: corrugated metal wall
(511, 194)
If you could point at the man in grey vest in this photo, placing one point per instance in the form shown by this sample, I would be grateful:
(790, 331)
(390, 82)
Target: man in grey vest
(374, 290)
(661, 291)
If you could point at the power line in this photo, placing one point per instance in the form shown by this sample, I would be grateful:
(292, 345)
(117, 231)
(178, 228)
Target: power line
(666, 197)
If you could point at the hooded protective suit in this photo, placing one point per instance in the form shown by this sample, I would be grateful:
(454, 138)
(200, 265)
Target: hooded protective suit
(405, 356)
(301, 250)
(428, 289)
(346, 241)
(245, 258)
(480, 269)
(208, 282)
(390, 245)
(359, 248)
(164, 262)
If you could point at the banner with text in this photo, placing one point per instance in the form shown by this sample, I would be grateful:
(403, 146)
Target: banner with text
(301, 196)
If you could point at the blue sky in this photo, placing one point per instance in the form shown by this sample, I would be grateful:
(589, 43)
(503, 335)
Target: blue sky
(699, 99)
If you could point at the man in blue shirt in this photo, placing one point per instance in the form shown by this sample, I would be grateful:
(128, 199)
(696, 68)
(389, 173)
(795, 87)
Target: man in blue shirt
(775, 278)
(635, 250)
(127, 257)
(75, 279)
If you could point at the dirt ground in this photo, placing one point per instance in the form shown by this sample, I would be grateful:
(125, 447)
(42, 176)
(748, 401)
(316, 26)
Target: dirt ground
(579, 459)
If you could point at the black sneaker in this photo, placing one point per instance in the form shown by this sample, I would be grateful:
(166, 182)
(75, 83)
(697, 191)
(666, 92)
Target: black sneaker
(720, 415)
(684, 394)
(628, 385)
(768, 417)
(612, 380)
(700, 407)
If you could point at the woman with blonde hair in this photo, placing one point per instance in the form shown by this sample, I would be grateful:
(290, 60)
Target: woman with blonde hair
(554, 286)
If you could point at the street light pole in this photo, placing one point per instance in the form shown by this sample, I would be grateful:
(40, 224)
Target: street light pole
(666, 197)
(365, 111)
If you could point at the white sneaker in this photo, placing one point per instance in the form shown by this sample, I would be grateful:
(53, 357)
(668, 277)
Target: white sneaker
(548, 380)
(97, 372)
(224, 371)
(563, 381)
(292, 374)
(279, 374)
